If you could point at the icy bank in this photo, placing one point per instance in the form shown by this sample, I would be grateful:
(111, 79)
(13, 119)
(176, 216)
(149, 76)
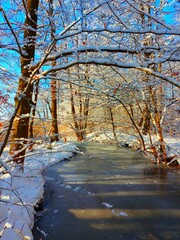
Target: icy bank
(172, 142)
(20, 192)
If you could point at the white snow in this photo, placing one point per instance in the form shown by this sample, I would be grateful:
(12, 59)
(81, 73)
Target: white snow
(107, 205)
(20, 192)
(55, 211)
(123, 214)
(114, 212)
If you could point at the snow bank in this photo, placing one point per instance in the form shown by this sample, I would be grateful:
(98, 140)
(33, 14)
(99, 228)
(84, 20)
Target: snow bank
(173, 146)
(172, 142)
(107, 137)
(20, 192)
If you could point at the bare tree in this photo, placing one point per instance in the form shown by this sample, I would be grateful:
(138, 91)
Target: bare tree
(23, 98)
(54, 129)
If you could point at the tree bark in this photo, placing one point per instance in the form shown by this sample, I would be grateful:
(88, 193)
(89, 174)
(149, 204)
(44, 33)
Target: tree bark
(86, 112)
(112, 120)
(23, 99)
(77, 130)
(162, 157)
(146, 121)
(54, 127)
(31, 134)
(86, 104)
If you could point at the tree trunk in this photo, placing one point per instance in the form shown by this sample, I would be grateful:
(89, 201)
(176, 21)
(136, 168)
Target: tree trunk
(113, 125)
(80, 122)
(162, 157)
(54, 128)
(86, 112)
(146, 20)
(31, 134)
(23, 98)
(86, 104)
(146, 121)
(112, 121)
(77, 130)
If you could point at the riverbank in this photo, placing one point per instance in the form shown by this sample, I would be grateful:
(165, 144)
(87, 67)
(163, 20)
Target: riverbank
(21, 192)
(126, 140)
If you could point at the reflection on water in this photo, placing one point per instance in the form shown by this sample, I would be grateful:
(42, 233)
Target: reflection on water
(159, 172)
(108, 194)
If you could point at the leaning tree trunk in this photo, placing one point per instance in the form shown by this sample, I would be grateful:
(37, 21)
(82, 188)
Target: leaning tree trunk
(23, 99)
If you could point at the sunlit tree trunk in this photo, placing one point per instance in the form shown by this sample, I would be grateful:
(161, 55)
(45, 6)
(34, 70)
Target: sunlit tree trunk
(77, 129)
(161, 157)
(146, 120)
(86, 113)
(86, 103)
(54, 127)
(80, 121)
(36, 92)
(147, 42)
(23, 99)
(112, 120)
(160, 95)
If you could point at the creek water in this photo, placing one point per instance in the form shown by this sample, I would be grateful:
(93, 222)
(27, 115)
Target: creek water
(109, 193)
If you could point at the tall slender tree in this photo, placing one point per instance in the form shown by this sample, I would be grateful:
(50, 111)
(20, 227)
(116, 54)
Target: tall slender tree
(23, 98)
(54, 124)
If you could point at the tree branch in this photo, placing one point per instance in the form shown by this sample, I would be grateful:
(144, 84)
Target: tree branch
(13, 33)
(107, 62)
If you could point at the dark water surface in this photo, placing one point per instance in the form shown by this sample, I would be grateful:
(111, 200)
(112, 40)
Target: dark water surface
(108, 194)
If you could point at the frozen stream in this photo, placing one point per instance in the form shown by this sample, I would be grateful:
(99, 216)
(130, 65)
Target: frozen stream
(108, 194)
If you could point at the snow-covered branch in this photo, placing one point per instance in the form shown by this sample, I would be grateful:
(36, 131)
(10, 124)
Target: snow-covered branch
(12, 30)
(107, 62)
(80, 18)
(137, 30)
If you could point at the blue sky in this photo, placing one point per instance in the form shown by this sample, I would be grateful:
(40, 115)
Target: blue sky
(18, 17)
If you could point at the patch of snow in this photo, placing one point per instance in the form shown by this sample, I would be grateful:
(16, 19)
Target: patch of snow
(90, 193)
(123, 214)
(55, 211)
(21, 191)
(107, 205)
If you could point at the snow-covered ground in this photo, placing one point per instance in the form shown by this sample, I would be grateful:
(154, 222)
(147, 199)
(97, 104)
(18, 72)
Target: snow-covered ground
(20, 192)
